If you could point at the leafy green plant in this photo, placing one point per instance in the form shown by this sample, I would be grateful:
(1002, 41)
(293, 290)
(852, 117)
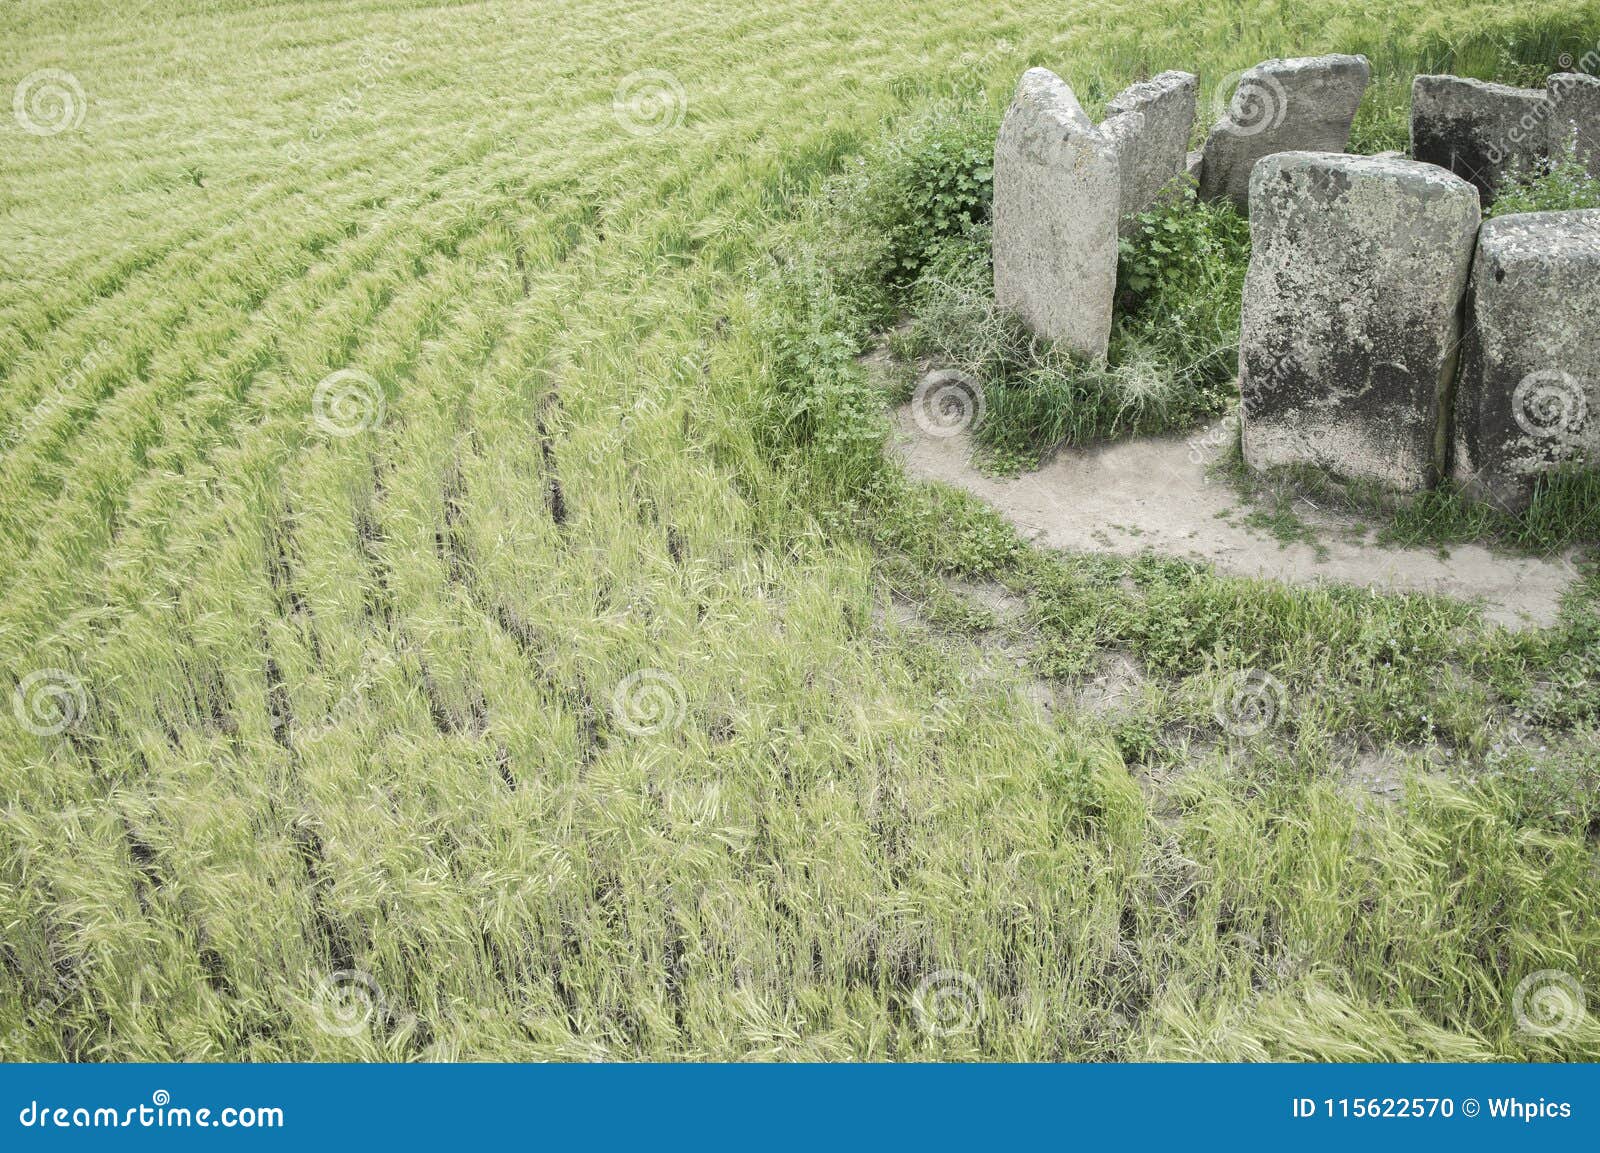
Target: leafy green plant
(1560, 186)
(1174, 346)
(921, 188)
(819, 403)
(1180, 291)
(1180, 246)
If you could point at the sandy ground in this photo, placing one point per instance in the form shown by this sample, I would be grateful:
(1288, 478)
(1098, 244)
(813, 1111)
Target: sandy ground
(1154, 494)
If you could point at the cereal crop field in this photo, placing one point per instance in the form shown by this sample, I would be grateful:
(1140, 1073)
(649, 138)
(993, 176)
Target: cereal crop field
(455, 602)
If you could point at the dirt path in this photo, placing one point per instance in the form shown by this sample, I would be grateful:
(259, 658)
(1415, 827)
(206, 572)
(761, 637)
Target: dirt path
(1154, 494)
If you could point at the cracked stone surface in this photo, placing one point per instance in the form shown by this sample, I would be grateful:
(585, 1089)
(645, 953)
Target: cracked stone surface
(1303, 104)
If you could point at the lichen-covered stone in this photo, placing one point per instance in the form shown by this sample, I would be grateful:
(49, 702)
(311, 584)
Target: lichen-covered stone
(1575, 117)
(1305, 104)
(1151, 151)
(1480, 131)
(1529, 394)
(1352, 311)
(1057, 198)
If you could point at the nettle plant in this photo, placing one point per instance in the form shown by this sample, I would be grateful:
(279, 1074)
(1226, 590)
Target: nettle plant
(927, 187)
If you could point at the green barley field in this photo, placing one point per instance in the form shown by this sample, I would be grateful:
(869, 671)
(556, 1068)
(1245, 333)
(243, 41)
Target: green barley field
(455, 604)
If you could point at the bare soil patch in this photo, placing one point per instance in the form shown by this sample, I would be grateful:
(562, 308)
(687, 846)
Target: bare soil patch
(1155, 494)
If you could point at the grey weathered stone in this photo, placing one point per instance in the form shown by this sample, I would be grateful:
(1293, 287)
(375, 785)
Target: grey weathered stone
(1480, 131)
(1125, 133)
(1193, 164)
(1152, 153)
(1057, 195)
(1529, 393)
(1575, 117)
(1352, 310)
(1304, 104)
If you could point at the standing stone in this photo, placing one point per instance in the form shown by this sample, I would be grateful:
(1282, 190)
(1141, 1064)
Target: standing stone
(1057, 195)
(1575, 118)
(1352, 309)
(1482, 132)
(1529, 394)
(1153, 155)
(1125, 133)
(1305, 104)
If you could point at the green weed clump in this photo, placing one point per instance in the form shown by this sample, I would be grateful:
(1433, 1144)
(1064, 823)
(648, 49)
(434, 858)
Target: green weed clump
(1036, 395)
(1180, 284)
(1562, 514)
(1561, 185)
(916, 192)
(1174, 343)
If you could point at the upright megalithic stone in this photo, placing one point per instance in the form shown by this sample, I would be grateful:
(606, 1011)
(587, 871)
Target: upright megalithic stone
(1304, 104)
(1057, 197)
(1352, 313)
(1575, 118)
(1480, 131)
(1529, 395)
(1155, 152)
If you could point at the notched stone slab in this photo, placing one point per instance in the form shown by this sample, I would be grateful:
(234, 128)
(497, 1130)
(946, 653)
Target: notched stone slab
(1529, 395)
(1057, 199)
(1352, 312)
(1152, 150)
(1303, 104)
